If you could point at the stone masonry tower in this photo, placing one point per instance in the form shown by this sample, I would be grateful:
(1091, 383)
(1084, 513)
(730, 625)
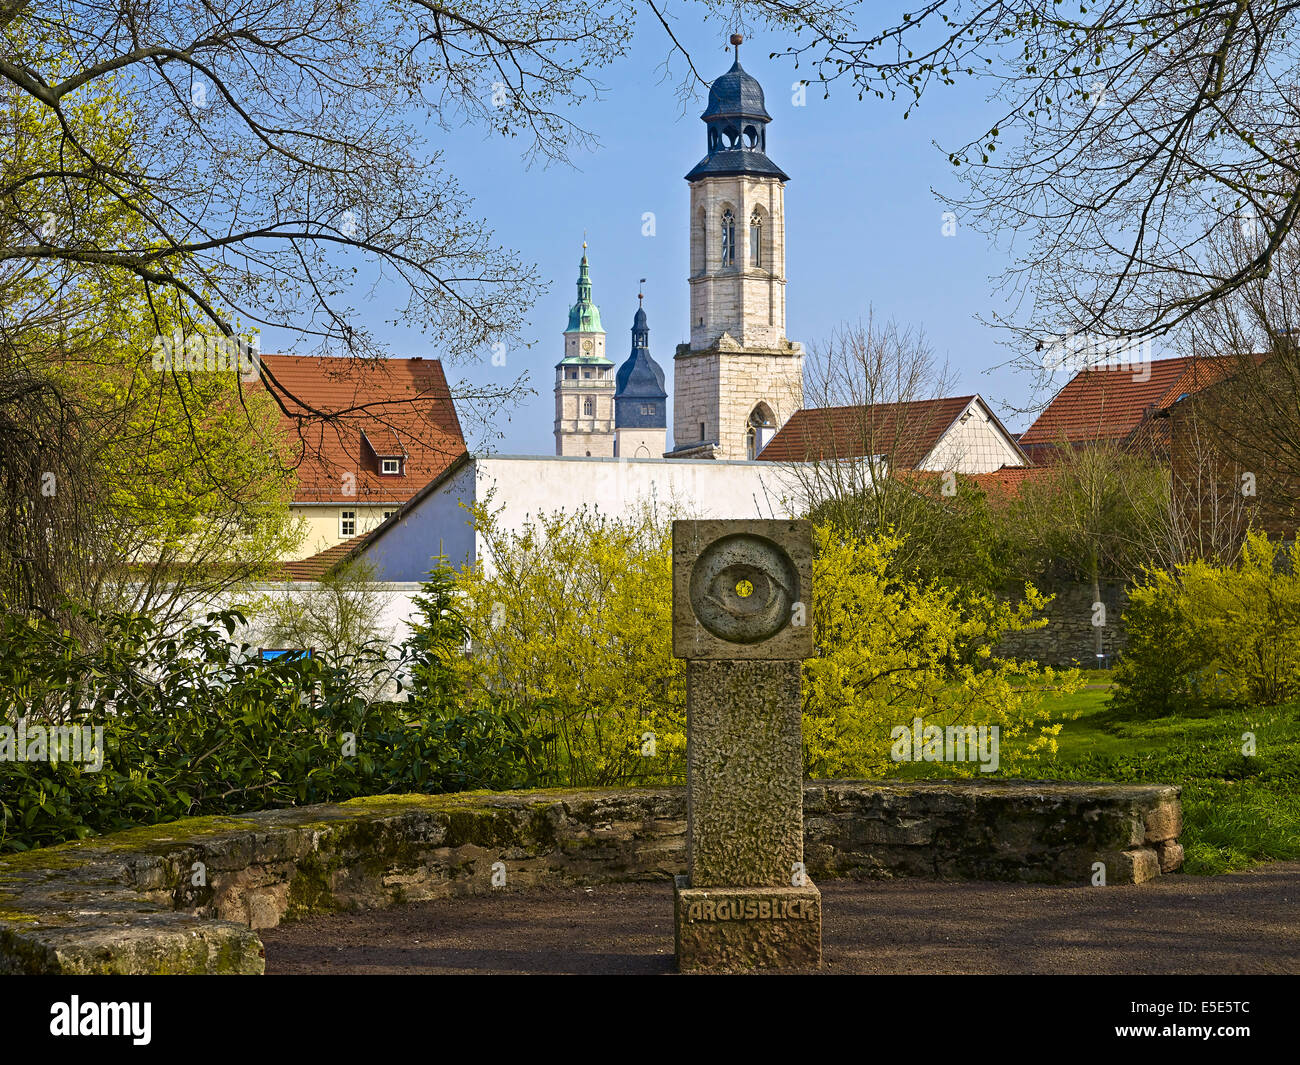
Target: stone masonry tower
(584, 380)
(739, 379)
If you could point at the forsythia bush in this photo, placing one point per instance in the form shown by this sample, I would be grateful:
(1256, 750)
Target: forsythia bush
(890, 651)
(573, 623)
(1207, 634)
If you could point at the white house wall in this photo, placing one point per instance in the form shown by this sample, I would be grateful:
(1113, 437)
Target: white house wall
(976, 446)
(527, 486)
(434, 525)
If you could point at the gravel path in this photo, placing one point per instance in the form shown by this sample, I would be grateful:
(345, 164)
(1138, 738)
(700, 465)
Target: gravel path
(1238, 923)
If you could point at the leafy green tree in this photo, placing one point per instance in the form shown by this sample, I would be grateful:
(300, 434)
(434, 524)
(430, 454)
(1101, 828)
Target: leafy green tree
(128, 481)
(439, 640)
(1099, 513)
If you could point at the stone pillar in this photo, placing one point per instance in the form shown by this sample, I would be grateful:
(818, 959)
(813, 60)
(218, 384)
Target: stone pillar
(742, 618)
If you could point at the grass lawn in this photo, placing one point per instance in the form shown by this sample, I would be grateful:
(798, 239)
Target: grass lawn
(1237, 810)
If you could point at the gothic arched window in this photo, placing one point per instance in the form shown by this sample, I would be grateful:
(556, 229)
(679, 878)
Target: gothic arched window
(755, 238)
(759, 429)
(589, 408)
(728, 238)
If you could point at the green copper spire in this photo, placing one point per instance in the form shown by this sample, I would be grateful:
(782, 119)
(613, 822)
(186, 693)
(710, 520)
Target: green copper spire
(584, 316)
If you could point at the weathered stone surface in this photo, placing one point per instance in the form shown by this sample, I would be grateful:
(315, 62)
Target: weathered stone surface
(744, 761)
(773, 620)
(1170, 853)
(126, 902)
(1164, 822)
(744, 629)
(741, 928)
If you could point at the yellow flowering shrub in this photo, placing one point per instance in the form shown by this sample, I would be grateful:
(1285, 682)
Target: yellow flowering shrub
(891, 651)
(571, 619)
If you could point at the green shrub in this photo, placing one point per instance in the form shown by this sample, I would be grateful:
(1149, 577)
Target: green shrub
(1208, 634)
(192, 725)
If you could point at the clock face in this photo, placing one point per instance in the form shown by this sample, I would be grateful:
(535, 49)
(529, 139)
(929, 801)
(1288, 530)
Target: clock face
(587, 345)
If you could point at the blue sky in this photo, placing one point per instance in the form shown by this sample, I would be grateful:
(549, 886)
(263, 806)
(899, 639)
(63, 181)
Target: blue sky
(864, 229)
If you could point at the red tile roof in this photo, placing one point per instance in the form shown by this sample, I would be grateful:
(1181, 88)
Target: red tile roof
(316, 566)
(910, 429)
(1109, 403)
(999, 485)
(401, 404)
(1007, 482)
(383, 441)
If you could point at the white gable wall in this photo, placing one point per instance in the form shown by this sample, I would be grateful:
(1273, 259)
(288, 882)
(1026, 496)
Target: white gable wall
(977, 445)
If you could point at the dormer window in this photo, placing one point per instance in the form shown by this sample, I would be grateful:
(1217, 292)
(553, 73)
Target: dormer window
(388, 451)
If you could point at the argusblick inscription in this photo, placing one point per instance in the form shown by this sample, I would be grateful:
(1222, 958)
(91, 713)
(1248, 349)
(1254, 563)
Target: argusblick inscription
(752, 910)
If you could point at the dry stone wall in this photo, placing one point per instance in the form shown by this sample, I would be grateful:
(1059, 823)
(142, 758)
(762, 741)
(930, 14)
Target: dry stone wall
(188, 897)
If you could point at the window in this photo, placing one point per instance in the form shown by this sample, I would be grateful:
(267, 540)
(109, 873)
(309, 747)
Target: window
(388, 514)
(701, 431)
(758, 431)
(728, 238)
(390, 465)
(347, 524)
(571, 374)
(647, 408)
(589, 408)
(586, 374)
(755, 237)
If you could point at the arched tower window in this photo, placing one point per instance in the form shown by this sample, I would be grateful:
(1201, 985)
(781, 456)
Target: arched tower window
(759, 429)
(755, 239)
(699, 246)
(728, 238)
(589, 408)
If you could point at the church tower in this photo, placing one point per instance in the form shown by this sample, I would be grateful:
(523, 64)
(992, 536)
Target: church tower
(740, 378)
(584, 380)
(641, 402)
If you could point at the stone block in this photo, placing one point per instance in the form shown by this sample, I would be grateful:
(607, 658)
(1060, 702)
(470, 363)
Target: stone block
(740, 928)
(713, 618)
(744, 766)
(1163, 822)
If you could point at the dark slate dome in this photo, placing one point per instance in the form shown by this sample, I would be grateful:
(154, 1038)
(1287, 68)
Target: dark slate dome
(640, 399)
(736, 94)
(736, 119)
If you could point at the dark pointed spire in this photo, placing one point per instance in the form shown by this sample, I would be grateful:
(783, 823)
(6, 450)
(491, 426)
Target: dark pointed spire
(736, 119)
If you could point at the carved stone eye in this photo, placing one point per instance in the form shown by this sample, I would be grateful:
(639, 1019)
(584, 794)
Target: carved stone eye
(743, 588)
